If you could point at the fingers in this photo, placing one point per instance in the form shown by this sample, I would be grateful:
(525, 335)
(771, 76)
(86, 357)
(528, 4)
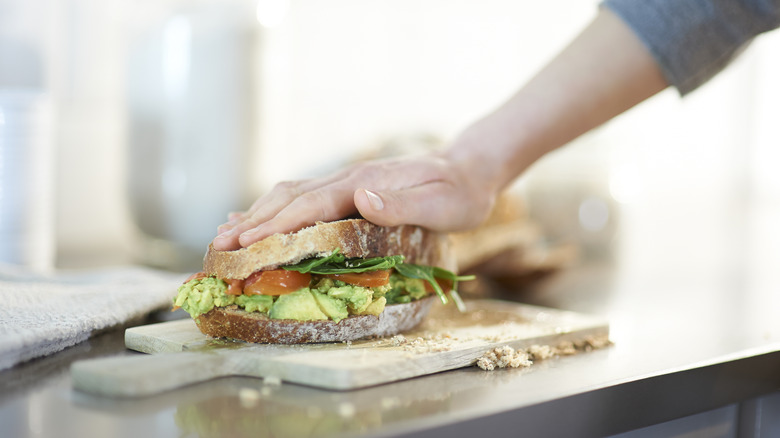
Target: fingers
(285, 210)
(439, 205)
(265, 208)
(282, 194)
(328, 203)
(234, 218)
(428, 191)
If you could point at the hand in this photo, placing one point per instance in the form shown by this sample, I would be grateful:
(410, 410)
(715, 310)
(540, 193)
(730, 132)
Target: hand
(603, 72)
(429, 190)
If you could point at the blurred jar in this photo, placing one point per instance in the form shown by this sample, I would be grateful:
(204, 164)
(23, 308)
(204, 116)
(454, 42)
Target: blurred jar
(26, 141)
(191, 94)
(26, 178)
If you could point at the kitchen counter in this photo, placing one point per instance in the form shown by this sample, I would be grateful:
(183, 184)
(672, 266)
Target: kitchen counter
(693, 317)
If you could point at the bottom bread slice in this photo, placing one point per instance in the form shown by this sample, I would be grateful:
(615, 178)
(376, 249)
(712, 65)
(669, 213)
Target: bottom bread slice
(235, 323)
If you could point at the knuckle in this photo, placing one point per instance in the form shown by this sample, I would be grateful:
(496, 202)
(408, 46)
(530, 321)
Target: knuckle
(287, 187)
(361, 172)
(320, 202)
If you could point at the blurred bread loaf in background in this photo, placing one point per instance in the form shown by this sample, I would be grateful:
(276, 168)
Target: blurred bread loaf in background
(508, 251)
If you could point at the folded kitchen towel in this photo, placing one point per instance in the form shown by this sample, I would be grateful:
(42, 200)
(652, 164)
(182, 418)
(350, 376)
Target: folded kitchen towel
(41, 314)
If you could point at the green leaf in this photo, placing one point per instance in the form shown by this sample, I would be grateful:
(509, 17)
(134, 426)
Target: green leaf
(449, 275)
(423, 273)
(336, 263)
(308, 265)
(430, 274)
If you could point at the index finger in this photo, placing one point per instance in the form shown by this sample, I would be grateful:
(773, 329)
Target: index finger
(327, 203)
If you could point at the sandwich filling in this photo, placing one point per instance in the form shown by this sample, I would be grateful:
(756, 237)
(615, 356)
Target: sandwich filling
(322, 288)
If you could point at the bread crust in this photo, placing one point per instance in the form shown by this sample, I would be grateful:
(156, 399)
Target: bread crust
(235, 323)
(353, 237)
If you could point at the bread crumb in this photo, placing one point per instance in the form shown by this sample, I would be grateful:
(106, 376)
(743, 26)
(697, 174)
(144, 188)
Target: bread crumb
(504, 357)
(430, 344)
(508, 357)
(398, 340)
(540, 352)
(597, 342)
(566, 348)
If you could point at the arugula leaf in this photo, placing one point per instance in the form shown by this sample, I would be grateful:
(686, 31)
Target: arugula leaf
(430, 274)
(336, 263)
(308, 265)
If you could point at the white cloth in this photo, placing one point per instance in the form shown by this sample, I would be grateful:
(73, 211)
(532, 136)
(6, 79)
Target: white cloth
(41, 314)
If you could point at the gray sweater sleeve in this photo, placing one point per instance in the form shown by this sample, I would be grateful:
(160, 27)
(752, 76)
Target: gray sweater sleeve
(692, 40)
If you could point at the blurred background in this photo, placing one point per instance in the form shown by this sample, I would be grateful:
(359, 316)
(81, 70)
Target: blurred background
(167, 114)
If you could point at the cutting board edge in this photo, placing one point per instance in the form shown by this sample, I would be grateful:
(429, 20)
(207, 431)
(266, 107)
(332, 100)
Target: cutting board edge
(360, 378)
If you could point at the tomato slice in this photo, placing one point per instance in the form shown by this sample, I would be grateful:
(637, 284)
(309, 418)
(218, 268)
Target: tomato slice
(195, 276)
(364, 279)
(275, 282)
(235, 287)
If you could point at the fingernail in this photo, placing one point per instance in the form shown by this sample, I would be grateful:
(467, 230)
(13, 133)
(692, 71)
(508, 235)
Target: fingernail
(248, 233)
(374, 200)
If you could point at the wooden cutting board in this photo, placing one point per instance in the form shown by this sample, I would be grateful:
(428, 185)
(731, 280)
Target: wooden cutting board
(182, 355)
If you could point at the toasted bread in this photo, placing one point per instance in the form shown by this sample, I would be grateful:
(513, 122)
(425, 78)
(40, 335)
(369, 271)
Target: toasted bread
(353, 237)
(233, 322)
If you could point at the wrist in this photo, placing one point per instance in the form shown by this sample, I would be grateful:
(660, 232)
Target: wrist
(494, 151)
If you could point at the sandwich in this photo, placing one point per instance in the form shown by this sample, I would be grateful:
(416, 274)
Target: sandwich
(331, 282)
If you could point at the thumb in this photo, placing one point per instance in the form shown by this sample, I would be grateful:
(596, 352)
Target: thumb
(436, 205)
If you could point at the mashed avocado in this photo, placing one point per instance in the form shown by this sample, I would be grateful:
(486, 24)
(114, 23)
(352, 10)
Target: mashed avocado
(255, 303)
(199, 296)
(327, 299)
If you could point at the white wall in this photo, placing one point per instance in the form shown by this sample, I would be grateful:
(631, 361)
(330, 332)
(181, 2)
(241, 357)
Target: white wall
(342, 75)
(356, 72)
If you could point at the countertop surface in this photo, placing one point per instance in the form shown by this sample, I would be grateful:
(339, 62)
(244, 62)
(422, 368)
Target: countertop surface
(693, 315)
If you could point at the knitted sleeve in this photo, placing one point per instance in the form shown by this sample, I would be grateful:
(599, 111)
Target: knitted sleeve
(693, 40)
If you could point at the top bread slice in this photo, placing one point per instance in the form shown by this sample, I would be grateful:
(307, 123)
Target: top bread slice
(352, 237)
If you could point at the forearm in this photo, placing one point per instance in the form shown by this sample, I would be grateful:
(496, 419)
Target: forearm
(602, 73)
